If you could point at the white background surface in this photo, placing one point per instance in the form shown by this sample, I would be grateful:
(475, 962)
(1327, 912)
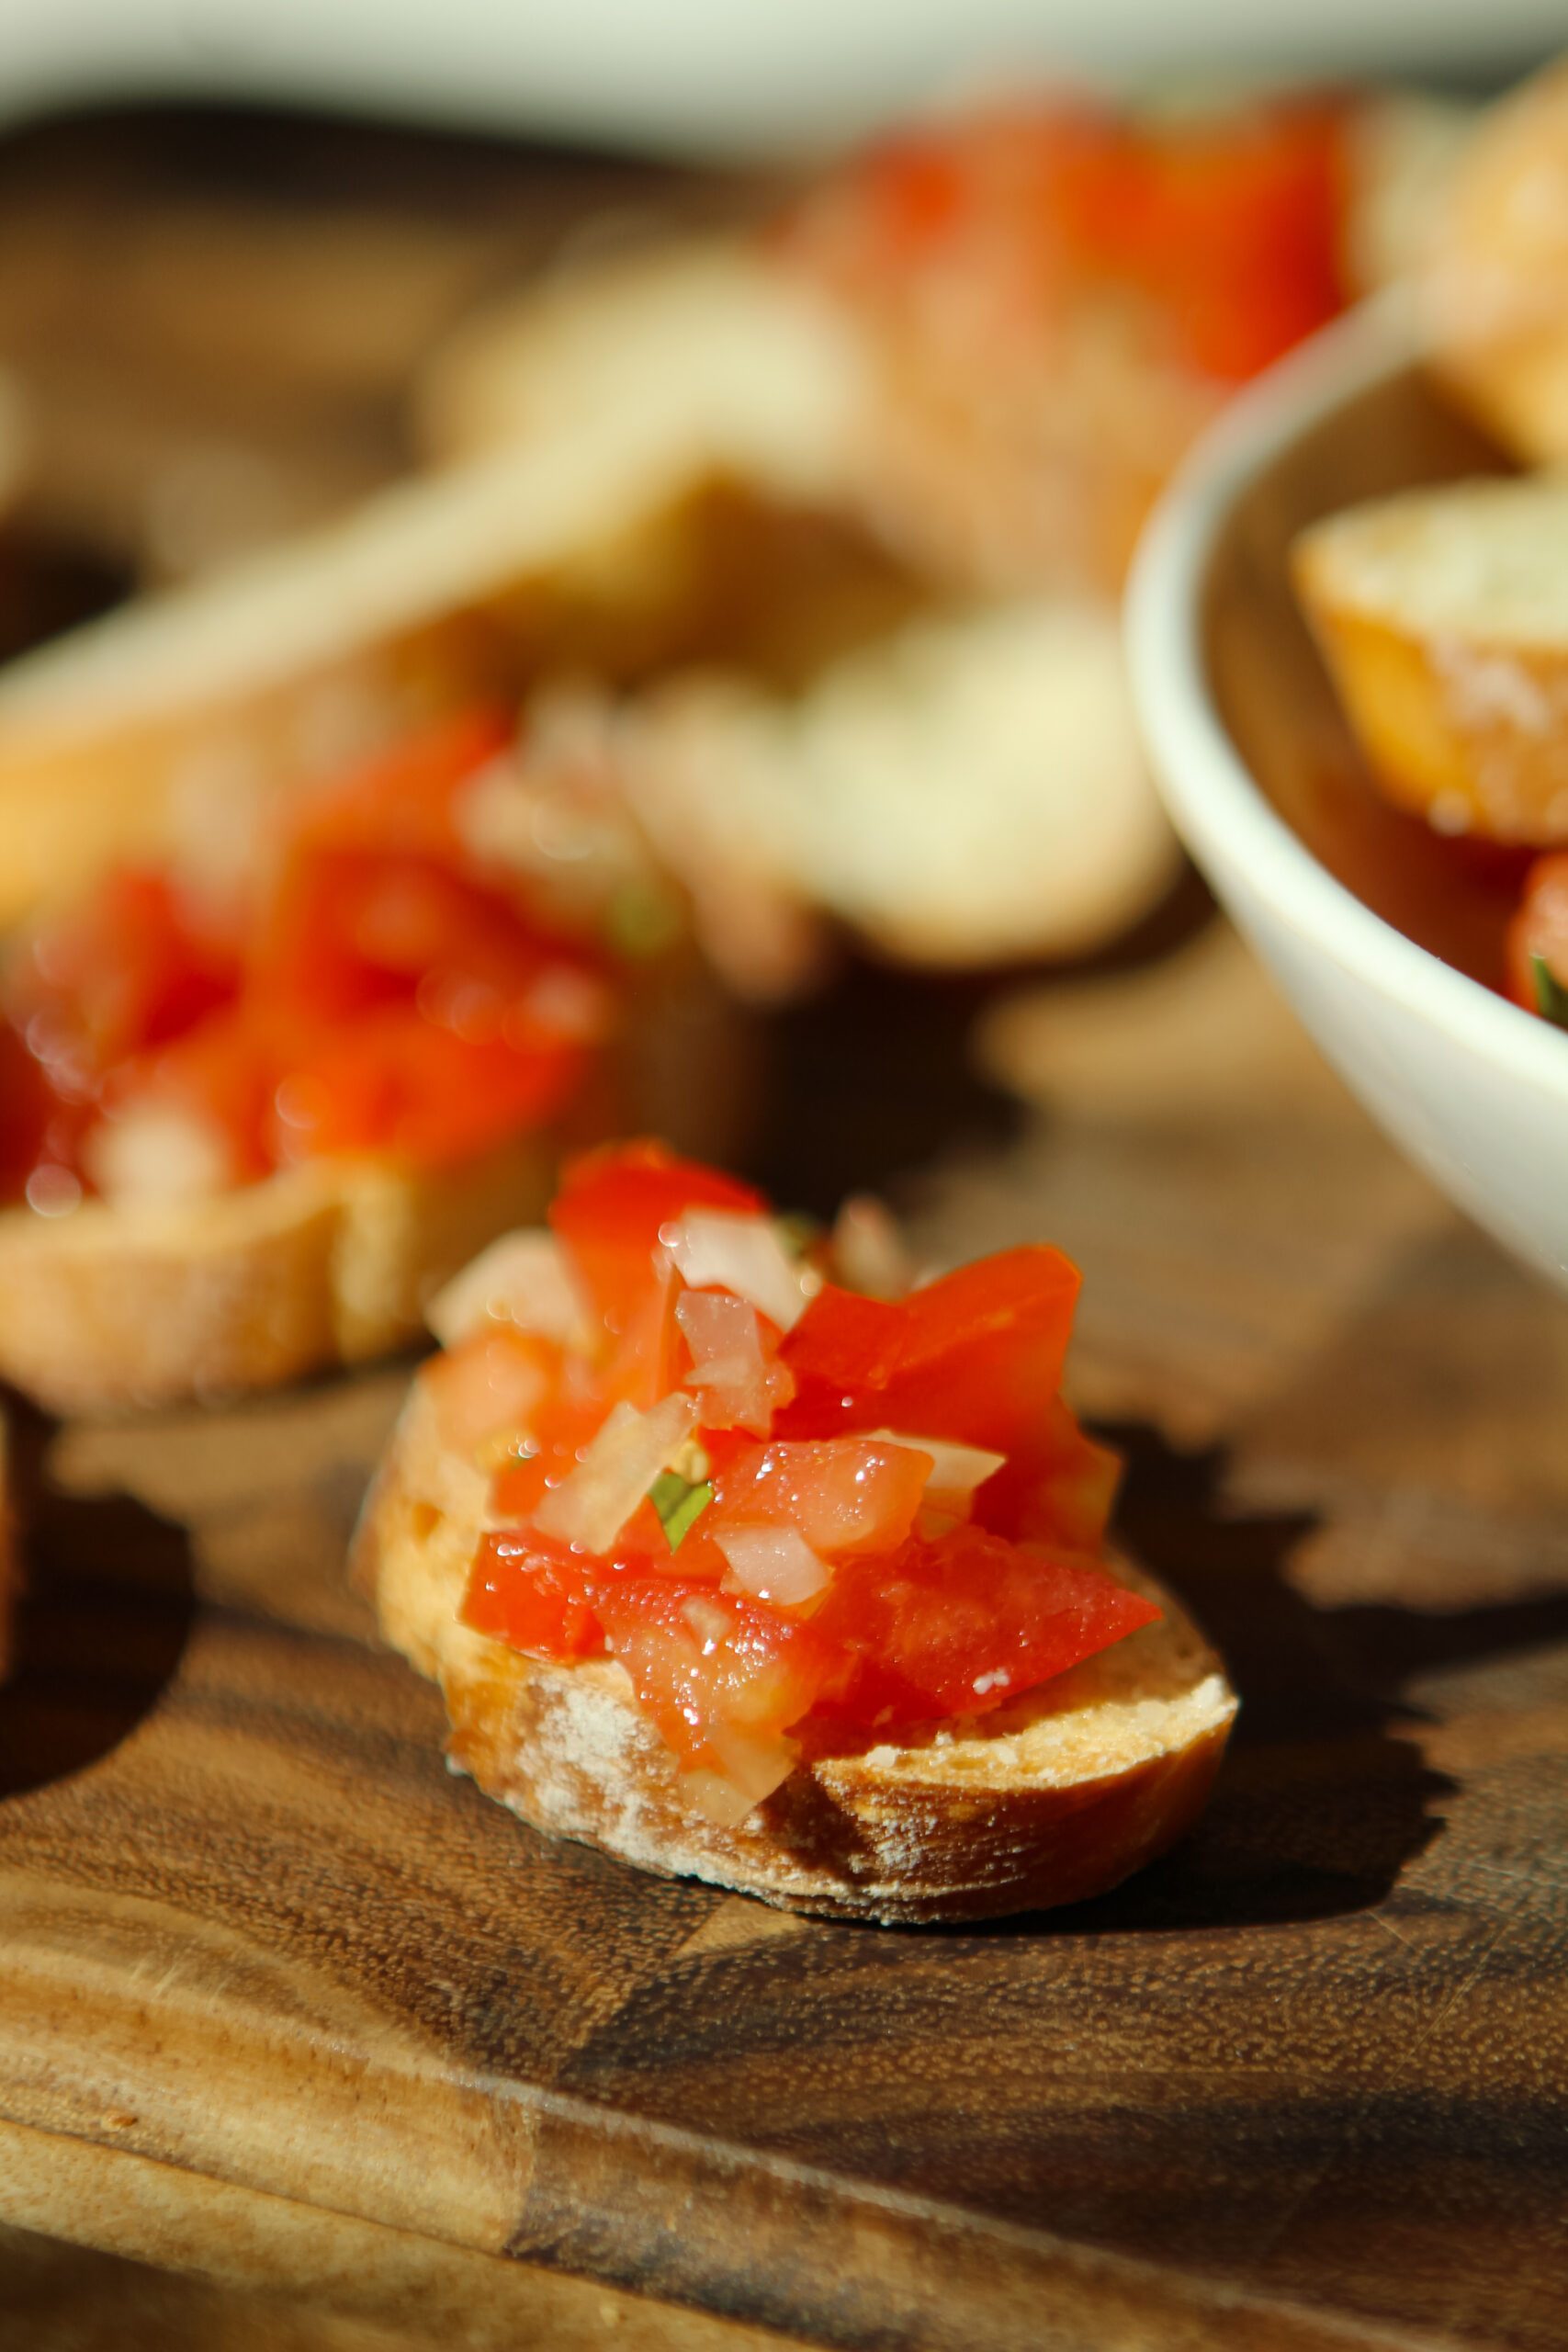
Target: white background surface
(716, 77)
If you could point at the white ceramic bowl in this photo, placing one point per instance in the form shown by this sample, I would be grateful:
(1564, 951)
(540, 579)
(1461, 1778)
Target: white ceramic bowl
(1474, 1089)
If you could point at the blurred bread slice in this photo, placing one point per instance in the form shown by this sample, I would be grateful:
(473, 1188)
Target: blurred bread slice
(577, 548)
(1406, 148)
(968, 789)
(1443, 614)
(712, 348)
(965, 786)
(1055, 1798)
(1494, 292)
(111, 1306)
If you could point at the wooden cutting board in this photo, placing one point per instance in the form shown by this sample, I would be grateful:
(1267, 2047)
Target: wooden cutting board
(1301, 2085)
(283, 2003)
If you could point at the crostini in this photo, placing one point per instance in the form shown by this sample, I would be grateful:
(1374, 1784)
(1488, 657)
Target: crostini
(737, 1555)
(258, 1101)
(1443, 616)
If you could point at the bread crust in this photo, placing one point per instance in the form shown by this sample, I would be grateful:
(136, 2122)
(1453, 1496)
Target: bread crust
(1462, 716)
(328, 1264)
(1055, 1798)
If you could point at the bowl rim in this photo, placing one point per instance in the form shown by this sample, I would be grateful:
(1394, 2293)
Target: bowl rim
(1211, 794)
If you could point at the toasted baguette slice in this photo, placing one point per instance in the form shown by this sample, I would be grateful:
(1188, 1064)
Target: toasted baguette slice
(1443, 614)
(120, 1305)
(574, 550)
(112, 1306)
(1055, 1798)
(1495, 288)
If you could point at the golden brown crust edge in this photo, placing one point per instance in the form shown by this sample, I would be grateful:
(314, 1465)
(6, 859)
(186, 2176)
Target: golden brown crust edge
(109, 1308)
(1056, 1799)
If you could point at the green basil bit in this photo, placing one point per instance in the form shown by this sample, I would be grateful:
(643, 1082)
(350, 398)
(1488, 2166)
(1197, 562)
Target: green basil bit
(679, 1503)
(797, 1231)
(643, 921)
(1550, 996)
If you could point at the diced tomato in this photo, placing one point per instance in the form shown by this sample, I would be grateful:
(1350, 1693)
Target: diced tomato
(405, 799)
(959, 1625)
(121, 971)
(973, 1357)
(27, 1107)
(611, 1206)
(535, 1594)
(649, 1356)
(394, 1081)
(984, 1348)
(842, 1344)
(496, 1383)
(1227, 229)
(1540, 930)
(345, 931)
(1057, 1487)
(850, 1495)
(715, 1673)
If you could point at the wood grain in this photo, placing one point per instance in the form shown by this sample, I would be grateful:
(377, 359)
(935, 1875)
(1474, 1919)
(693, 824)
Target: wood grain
(1300, 2085)
(285, 2005)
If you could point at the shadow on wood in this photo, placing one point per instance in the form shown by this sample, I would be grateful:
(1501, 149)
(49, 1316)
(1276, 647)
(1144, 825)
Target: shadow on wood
(1326, 1797)
(105, 1614)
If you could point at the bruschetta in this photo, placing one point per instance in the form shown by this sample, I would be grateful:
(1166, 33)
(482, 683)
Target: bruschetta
(737, 1556)
(258, 1100)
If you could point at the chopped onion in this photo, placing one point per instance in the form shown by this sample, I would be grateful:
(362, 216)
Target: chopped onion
(958, 1470)
(154, 1152)
(740, 1386)
(618, 1465)
(523, 1278)
(773, 1564)
(869, 1252)
(720, 1248)
(752, 1769)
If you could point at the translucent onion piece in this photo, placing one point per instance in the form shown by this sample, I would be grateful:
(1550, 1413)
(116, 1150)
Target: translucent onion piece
(720, 1248)
(773, 1564)
(742, 1388)
(523, 1278)
(958, 1470)
(619, 1464)
(752, 1769)
(158, 1152)
(868, 1252)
